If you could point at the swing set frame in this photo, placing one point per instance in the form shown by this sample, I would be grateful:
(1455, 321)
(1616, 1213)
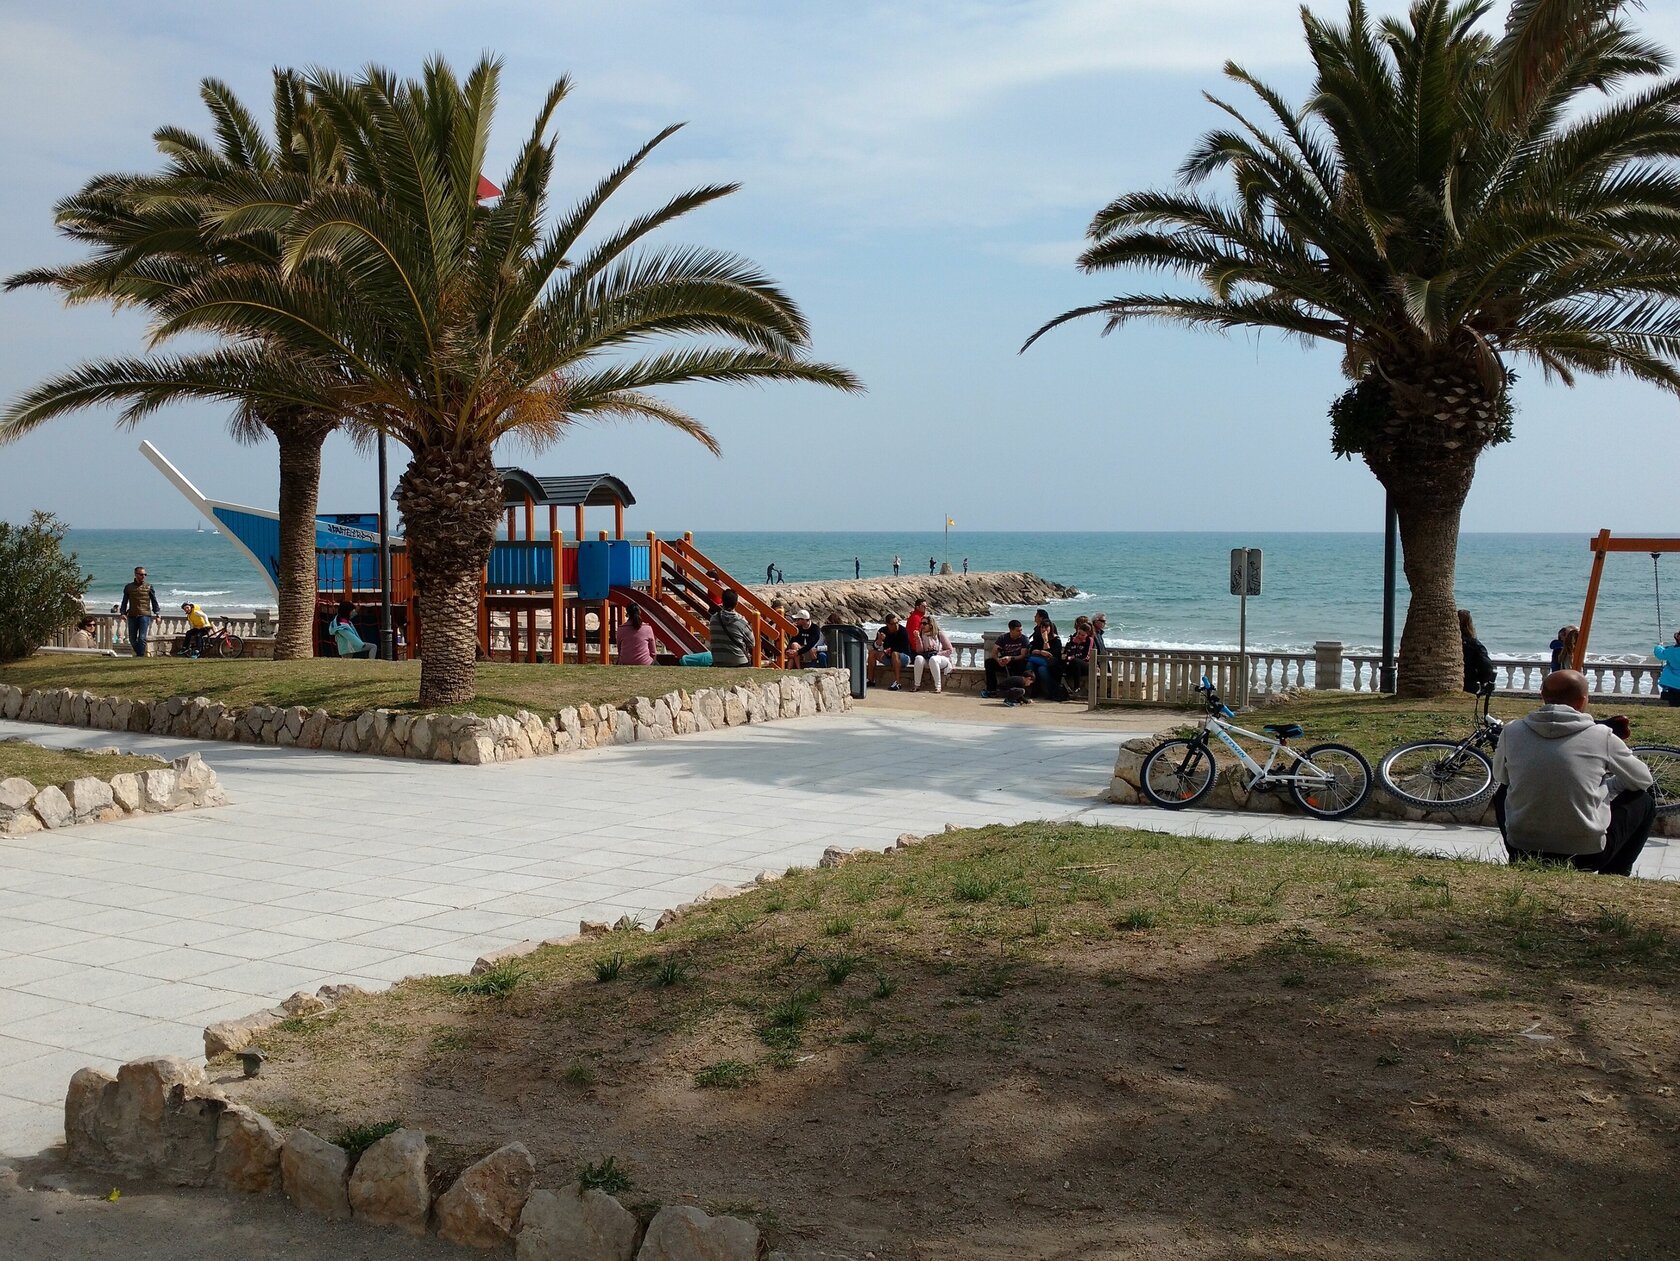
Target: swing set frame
(1602, 545)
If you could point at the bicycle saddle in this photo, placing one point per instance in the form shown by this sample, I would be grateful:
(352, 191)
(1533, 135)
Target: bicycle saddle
(1284, 730)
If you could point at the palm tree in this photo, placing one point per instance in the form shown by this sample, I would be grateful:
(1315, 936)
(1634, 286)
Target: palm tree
(1444, 203)
(456, 324)
(150, 239)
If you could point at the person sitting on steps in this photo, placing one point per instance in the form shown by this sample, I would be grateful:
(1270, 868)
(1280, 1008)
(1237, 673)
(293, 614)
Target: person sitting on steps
(1570, 790)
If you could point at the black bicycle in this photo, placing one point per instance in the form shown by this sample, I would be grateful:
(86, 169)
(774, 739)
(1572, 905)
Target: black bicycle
(1444, 774)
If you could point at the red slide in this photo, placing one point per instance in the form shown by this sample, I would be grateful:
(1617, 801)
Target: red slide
(667, 626)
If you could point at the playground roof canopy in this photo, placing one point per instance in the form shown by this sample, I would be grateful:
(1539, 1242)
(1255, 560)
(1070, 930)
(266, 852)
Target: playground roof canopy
(588, 490)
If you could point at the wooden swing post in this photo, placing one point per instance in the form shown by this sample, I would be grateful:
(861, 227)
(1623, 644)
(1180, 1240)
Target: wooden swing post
(1602, 545)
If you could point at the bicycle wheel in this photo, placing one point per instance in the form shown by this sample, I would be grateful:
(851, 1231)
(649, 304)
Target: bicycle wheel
(232, 647)
(1348, 785)
(1664, 761)
(1437, 775)
(1177, 774)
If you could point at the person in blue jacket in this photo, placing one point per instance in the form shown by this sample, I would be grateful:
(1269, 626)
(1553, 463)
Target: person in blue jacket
(1669, 680)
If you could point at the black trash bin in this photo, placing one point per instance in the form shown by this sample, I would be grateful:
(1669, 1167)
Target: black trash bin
(848, 649)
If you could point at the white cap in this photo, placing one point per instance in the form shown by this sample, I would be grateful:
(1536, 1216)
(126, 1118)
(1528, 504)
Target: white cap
(802, 615)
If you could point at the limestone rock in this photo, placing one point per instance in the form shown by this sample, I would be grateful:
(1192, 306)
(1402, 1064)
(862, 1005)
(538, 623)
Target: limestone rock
(157, 1118)
(83, 1139)
(157, 789)
(593, 928)
(248, 1149)
(305, 1004)
(835, 855)
(53, 808)
(574, 1225)
(88, 796)
(15, 793)
(336, 994)
(491, 958)
(235, 1035)
(482, 1209)
(682, 1233)
(316, 1175)
(125, 792)
(389, 1186)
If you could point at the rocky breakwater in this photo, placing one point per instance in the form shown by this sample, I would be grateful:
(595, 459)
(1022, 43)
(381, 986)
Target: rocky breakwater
(948, 595)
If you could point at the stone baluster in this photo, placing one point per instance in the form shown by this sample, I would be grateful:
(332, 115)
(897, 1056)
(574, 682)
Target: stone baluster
(1327, 665)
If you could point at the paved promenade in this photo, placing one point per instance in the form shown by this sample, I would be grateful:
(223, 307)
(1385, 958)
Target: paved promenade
(126, 938)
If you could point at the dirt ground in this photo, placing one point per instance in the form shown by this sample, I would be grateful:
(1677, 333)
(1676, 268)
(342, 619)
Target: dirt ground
(1066, 1042)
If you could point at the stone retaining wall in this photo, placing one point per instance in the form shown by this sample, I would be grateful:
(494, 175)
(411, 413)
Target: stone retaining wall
(184, 784)
(464, 738)
(162, 1118)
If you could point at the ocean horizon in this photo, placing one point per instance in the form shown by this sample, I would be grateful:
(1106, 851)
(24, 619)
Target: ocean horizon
(1164, 589)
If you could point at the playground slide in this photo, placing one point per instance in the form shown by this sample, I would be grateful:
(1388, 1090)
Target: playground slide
(666, 625)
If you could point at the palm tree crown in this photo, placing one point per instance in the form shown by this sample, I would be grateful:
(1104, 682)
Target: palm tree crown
(1444, 202)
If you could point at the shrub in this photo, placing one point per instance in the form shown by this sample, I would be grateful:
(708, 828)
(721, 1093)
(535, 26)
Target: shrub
(41, 588)
(358, 1138)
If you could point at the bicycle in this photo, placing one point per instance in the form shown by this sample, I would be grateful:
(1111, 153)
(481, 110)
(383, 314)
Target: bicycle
(1328, 781)
(1443, 774)
(217, 642)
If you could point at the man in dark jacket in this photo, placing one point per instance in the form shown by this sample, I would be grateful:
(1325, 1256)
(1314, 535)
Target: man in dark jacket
(140, 606)
(731, 637)
(892, 647)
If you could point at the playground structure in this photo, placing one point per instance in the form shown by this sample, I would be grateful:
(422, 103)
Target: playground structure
(1602, 545)
(524, 612)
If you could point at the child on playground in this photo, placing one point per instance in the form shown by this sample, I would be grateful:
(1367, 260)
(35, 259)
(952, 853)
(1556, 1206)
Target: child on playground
(343, 631)
(1669, 680)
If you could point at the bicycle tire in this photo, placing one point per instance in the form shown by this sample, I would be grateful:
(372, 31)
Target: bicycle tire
(1443, 776)
(1340, 761)
(1664, 761)
(233, 647)
(1183, 784)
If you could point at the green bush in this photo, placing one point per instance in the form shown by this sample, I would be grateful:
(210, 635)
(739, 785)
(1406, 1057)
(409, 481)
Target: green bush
(41, 588)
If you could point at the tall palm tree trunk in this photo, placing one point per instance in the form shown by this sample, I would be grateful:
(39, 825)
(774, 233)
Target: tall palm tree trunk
(450, 501)
(300, 439)
(1443, 417)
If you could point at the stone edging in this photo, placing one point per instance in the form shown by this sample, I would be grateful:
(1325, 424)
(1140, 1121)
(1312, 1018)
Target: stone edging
(463, 738)
(160, 1117)
(184, 784)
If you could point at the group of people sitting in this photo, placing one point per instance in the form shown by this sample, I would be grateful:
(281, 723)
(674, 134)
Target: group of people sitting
(918, 644)
(1042, 666)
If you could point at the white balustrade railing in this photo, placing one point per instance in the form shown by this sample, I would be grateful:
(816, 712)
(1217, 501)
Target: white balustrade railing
(110, 630)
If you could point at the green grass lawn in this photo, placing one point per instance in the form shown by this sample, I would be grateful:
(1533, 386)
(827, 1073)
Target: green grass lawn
(1375, 724)
(345, 687)
(1132, 1044)
(42, 767)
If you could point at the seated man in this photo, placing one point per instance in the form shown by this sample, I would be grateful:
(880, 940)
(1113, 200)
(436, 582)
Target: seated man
(892, 647)
(1570, 790)
(1006, 667)
(343, 631)
(807, 649)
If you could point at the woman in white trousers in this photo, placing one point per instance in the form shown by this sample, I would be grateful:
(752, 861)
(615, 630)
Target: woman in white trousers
(934, 652)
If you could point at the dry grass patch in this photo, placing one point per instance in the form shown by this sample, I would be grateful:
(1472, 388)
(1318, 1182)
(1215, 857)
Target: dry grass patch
(44, 767)
(345, 687)
(1053, 1040)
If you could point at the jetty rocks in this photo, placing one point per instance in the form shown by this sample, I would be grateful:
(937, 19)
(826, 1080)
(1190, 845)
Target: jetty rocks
(948, 595)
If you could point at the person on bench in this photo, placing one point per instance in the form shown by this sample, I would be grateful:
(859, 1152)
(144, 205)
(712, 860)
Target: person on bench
(1006, 667)
(1570, 791)
(808, 649)
(892, 647)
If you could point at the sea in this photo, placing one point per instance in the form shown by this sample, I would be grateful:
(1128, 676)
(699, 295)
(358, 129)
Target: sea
(1161, 589)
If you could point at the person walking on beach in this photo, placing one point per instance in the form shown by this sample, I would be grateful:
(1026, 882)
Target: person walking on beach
(965, 564)
(770, 573)
(1669, 680)
(1563, 648)
(1478, 666)
(1570, 790)
(731, 638)
(139, 605)
(896, 563)
(857, 568)
(931, 565)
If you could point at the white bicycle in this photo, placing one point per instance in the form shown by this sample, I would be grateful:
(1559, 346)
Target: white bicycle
(1329, 781)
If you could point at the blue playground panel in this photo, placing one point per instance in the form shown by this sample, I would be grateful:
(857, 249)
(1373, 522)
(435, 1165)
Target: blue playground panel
(522, 565)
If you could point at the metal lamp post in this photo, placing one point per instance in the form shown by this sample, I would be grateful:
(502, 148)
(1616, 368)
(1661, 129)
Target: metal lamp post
(386, 651)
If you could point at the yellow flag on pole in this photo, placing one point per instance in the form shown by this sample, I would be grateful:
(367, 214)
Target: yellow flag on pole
(949, 521)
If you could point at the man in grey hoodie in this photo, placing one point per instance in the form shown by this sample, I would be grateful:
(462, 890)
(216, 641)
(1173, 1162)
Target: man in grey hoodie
(731, 637)
(1571, 790)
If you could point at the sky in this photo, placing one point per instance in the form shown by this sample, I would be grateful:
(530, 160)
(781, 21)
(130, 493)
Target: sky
(917, 175)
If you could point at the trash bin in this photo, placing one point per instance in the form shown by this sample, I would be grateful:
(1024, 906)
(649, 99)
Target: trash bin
(848, 649)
